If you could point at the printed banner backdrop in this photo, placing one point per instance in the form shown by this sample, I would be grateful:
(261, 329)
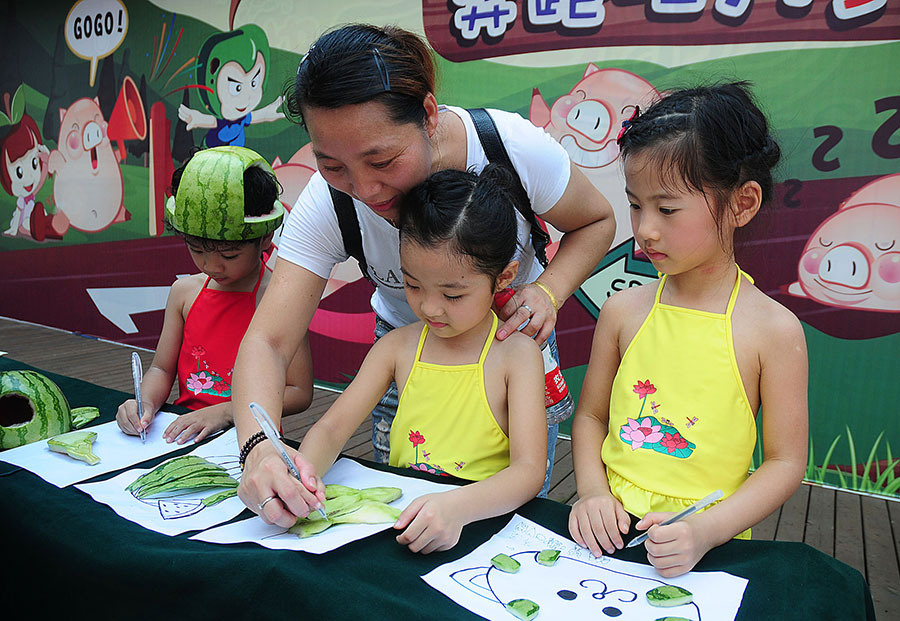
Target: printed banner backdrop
(98, 96)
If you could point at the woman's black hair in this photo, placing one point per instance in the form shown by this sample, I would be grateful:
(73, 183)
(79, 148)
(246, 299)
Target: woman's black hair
(474, 214)
(712, 139)
(261, 190)
(358, 63)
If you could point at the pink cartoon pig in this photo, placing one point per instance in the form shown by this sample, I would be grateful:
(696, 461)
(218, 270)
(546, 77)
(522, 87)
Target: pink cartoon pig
(852, 260)
(87, 184)
(586, 121)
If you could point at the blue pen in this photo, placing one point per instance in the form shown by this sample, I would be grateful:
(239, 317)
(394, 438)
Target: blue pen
(268, 427)
(697, 506)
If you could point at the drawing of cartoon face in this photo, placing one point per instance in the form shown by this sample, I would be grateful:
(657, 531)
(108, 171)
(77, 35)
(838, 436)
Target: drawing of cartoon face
(24, 172)
(852, 260)
(597, 593)
(239, 92)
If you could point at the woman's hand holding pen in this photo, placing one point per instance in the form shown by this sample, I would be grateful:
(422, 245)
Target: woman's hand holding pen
(269, 489)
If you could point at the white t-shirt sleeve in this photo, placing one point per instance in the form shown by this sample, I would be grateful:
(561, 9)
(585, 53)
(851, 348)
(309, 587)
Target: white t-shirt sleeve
(311, 237)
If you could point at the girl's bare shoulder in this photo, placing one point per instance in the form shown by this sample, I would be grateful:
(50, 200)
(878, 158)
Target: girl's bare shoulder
(628, 305)
(186, 289)
(764, 318)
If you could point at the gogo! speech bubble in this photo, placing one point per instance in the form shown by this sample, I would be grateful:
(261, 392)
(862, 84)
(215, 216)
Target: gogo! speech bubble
(95, 28)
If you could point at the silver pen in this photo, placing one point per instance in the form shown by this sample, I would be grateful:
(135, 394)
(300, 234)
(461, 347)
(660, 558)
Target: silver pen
(137, 374)
(268, 427)
(697, 506)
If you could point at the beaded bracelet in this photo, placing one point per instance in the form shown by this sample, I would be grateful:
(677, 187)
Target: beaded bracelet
(549, 293)
(251, 442)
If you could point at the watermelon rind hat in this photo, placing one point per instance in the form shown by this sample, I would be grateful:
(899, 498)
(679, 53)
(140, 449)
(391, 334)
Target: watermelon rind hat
(209, 202)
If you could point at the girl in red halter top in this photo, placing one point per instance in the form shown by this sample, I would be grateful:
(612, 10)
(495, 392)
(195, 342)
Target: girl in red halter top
(208, 313)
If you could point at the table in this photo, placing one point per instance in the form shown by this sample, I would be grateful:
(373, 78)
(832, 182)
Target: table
(66, 554)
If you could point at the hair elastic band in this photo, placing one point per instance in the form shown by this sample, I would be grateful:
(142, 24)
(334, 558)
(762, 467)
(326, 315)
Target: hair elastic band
(627, 123)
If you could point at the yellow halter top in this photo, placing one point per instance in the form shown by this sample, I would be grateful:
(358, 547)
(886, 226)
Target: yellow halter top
(680, 423)
(444, 424)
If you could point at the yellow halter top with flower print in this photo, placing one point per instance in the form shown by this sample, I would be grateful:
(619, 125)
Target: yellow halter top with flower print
(680, 423)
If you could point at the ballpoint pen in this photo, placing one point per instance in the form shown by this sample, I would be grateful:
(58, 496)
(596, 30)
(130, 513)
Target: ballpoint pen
(697, 506)
(268, 427)
(137, 374)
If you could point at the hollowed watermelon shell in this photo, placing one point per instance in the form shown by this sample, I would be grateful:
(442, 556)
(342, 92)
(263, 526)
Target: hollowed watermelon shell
(32, 408)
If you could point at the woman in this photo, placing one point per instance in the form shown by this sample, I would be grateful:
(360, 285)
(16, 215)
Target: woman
(366, 97)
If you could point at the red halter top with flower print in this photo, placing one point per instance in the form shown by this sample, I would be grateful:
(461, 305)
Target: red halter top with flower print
(213, 331)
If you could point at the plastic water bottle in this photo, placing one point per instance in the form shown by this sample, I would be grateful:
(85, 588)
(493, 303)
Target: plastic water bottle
(557, 399)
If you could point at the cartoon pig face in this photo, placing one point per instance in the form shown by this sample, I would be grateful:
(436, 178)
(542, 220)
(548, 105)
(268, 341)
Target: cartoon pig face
(597, 593)
(587, 120)
(853, 259)
(87, 179)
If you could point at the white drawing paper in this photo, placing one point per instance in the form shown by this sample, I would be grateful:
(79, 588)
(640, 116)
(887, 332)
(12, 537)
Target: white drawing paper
(115, 450)
(343, 472)
(175, 512)
(578, 586)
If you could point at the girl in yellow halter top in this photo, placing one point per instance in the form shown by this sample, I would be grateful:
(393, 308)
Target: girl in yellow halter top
(470, 406)
(680, 367)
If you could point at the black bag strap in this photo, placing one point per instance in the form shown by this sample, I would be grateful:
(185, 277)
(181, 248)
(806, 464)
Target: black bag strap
(348, 222)
(496, 153)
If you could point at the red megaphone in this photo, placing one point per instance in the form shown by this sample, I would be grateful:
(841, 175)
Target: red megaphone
(128, 120)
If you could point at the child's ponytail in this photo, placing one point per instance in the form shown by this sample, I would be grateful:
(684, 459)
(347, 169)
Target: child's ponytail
(474, 214)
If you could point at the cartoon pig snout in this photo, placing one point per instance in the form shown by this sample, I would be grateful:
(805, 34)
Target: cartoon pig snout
(846, 265)
(591, 119)
(91, 135)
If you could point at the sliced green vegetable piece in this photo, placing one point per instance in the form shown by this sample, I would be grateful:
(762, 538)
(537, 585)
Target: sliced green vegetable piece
(368, 512)
(333, 491)
(672, 619)
(215, 499)
(307, 528)
(523, 608)
(182, 473)
(77, 444)
(82, 416)
(669, 595)
(548, 558)
(381, 494)
(506, 564)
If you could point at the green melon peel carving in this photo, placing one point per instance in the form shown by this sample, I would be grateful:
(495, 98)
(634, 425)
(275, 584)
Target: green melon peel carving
(82, 416)
(76, 444)
(669, 595)
(506, 563)
(182, 473)
(524, 609)
(548, 557)
(347, 505)
(50, 410)
(210, 201)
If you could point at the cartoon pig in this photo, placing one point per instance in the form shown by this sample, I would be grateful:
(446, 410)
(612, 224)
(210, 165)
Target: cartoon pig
(852, 260)
(87, 183)
(586, 122)
(598, 593)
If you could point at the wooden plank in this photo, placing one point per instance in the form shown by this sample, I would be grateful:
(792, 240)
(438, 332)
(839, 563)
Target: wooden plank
(792, 522)
(765, 530)
(820, 519)
(848, 531)
(882, 570)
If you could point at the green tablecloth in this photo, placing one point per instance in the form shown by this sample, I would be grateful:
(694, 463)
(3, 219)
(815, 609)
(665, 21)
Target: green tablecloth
(68, 555)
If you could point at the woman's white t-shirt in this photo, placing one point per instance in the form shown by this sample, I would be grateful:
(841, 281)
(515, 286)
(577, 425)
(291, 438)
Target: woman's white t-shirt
(311, 237)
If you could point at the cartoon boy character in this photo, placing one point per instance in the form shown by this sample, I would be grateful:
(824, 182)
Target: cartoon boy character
(23, 171)
(232, 74)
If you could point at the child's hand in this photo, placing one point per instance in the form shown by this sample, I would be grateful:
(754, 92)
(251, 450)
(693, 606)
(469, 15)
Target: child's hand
(431, 522)
(596, 522)
(674, 549)
(127, 417)
(197, 425)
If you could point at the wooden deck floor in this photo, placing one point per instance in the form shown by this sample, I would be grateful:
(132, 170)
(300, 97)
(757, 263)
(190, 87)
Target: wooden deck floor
(862, 531)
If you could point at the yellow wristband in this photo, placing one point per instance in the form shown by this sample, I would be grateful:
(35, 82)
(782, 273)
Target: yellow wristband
(549, 293)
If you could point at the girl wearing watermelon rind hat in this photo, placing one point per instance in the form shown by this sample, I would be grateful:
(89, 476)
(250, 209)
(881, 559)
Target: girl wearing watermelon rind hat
(226, 207)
